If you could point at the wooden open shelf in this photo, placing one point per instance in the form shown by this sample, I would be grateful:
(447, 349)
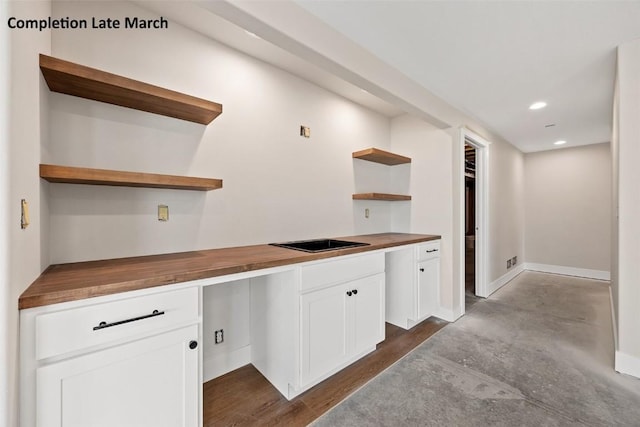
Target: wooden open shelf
(74, 79)
(74, 175)
(381, 196)
(380, 156)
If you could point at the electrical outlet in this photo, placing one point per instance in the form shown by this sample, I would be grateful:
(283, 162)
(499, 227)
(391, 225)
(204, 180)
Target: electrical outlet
(514, 260)
(509, 263)
(163, 213)
(305, 131)
(218, 336)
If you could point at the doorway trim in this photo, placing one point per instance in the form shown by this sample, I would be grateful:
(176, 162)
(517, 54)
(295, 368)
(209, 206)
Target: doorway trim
(482, 213)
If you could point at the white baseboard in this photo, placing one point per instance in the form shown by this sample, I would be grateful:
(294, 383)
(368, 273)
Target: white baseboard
(220, 364)
(569, 271)
(503, 280)
(626, 364)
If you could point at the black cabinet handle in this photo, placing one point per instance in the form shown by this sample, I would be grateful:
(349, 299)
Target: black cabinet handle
(103, 324)
(193, 345)
(355, 291)
(349, 293)
(422, 270)
(431, 250)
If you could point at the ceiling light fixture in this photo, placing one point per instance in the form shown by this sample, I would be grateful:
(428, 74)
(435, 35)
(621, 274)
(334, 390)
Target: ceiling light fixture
(537, 105)
(559, 142)
(254, 35)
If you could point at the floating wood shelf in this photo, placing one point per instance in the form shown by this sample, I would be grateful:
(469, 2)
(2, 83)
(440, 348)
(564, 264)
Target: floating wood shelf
(380, 156)
(78, 80)
(381, 196)
(74, 175)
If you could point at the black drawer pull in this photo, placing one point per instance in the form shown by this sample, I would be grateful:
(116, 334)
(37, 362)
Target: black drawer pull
(431, 250)
(103, 325)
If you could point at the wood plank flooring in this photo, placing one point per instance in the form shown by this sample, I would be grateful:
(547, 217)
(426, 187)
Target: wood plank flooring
(245, 397)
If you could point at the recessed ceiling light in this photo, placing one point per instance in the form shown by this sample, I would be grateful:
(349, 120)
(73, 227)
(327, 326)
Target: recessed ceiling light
(537, 105)
(559, 142)
(254, 35)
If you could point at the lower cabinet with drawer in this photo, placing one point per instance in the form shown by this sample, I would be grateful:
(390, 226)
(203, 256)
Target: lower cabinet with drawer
(128, 362)
(305, 330)
(413, 284)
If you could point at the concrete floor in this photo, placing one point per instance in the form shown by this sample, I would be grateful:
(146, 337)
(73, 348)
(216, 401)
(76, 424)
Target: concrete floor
(539, 352)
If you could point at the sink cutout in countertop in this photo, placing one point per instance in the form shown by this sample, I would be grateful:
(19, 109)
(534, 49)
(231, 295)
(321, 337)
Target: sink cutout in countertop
(319, 245)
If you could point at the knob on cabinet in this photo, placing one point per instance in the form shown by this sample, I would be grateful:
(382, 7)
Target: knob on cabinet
(422, 270)
(349, 293)
(355, 291)
(193, 344)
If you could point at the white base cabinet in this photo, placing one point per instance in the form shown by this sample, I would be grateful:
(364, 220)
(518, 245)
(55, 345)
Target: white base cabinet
(340, 323)
(413, 284)
(126, 361)
(335, 318)
(134, 359)
(151, 382)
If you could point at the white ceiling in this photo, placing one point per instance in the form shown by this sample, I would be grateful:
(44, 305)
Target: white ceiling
(492, 59)
(489, 59)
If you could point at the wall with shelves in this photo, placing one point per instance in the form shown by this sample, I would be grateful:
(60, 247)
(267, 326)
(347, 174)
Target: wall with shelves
(277, 185)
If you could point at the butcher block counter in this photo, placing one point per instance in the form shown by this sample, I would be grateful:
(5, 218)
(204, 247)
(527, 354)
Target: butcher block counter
(76, 281)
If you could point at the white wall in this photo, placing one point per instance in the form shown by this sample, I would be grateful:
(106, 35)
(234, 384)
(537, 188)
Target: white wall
(428, 180)
(506, 207)
(24, 132)
(568, 207)
(277, 185)
(628, 233)
(288, 25)
(7, 307)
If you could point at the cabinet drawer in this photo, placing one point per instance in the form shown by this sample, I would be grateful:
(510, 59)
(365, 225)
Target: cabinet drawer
(74, 329)
(339, 270)
(429, 250)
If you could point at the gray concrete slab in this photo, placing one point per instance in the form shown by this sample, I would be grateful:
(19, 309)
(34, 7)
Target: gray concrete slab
(539, 352)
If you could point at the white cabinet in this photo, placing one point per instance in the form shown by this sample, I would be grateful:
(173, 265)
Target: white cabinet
(323, 331)
(113, 361)
(340, 323)
(413, 284)
(150, 382)
(308, 324)
(427, 287)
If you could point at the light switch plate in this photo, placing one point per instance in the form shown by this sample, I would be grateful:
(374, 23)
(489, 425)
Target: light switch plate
(163, 213)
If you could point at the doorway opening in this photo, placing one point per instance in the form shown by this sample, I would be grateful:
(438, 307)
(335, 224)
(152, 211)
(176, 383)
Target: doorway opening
(469, 224)
(473, 224)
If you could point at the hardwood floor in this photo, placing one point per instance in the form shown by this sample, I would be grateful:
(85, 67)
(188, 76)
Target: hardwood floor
(245, 397)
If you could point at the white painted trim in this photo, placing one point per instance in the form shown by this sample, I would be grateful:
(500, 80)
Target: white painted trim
(220, 364)
(627, 364)
(613, 319)
(569, 271)
(504, 279)
(446, 314)
(482, 212)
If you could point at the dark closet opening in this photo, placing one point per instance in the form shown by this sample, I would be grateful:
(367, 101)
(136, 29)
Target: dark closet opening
(470, 218)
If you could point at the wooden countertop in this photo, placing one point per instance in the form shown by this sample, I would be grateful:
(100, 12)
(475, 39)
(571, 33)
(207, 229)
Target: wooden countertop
(75, 281)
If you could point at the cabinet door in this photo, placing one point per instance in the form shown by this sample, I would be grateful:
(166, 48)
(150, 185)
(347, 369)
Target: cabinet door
(323, 332)
(151, 382)
(367, 308)
(428, 284)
